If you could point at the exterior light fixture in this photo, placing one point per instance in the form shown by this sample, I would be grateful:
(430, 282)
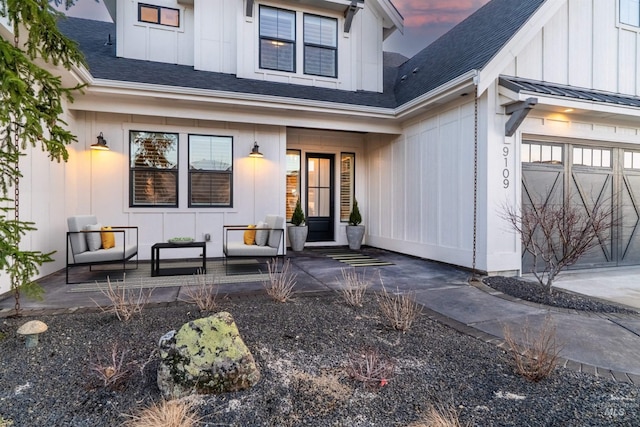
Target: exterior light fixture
(255, 151)
(101, 144)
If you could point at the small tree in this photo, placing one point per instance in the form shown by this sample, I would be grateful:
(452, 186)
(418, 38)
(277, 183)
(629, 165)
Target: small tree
(297, 218)
(354, 217)
(31, 106)
(558, 235)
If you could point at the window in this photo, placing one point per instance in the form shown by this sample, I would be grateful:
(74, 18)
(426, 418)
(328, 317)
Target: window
(293, 181)
(158, 15)
(153, 169)
(541, 153)
(592, 157)
(347, 184)
(210, 171)
(632, 160)
(320, 46)
(277, 39)
(630, 12)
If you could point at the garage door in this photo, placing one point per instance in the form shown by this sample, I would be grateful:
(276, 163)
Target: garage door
(582, 176)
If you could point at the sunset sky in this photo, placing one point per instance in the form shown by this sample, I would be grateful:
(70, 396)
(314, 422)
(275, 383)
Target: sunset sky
(424, 20)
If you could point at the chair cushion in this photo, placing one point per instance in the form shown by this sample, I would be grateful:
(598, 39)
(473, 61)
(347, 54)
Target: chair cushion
(94, 241)
(250, 236)
(76, 224)
(277, 224)
(261, 235)
(108, 238)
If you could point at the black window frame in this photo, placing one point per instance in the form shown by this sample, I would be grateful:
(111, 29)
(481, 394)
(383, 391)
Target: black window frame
(293, 42)
(159, 16)
(133, 170)
(319, 46)
(192, 172)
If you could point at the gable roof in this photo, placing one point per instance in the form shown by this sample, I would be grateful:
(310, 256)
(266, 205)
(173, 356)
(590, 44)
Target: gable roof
(92, 37)
(468, 46)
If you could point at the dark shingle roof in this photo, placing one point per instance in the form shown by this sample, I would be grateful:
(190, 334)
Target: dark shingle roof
(103, 64)
(543, 88)
(470, 45)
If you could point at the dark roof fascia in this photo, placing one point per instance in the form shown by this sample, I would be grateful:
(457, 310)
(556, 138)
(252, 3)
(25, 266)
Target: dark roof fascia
(520, 85)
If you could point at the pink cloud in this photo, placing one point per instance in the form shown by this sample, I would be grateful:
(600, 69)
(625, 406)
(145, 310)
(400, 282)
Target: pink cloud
(418, 13)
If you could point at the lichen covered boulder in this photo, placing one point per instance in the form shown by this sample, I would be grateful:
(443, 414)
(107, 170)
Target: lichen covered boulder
(205, 356)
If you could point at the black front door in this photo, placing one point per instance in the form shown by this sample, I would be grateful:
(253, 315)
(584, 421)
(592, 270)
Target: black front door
(320, 205)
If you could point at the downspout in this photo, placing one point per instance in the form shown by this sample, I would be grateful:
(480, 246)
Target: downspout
(474, 276)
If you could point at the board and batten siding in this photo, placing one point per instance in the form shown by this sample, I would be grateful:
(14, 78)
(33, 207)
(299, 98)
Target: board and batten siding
(420, 188)
(96, 182)
(151, 42)
(583, 45)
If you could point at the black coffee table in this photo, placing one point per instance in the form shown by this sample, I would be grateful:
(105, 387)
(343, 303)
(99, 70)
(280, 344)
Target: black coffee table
(176, 271)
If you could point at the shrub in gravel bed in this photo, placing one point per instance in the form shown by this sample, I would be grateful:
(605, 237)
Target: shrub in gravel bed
(301, 348)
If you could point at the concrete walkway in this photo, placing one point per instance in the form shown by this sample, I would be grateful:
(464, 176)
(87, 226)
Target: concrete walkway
(606, 345)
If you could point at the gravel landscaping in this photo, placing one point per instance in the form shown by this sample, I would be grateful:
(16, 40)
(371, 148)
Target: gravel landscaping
(532, 291)
(302, 348)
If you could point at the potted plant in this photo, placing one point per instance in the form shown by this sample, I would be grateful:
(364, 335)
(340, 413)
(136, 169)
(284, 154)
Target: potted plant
(297, 231)
(355, 231)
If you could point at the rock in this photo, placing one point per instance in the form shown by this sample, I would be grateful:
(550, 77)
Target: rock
(205, 356)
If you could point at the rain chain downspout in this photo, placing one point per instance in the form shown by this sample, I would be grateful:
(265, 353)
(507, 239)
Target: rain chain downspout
(475, 181)
(16, 204)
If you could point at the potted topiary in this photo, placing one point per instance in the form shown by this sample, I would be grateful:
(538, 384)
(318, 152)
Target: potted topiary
(355, 231)
(297, 231)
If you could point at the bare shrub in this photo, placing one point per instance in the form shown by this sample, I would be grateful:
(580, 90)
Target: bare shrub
(279, 285)
(557, 235)
(112, 369)
(354, 287)
(400, 309)
(125, 303)
(439, 416)
(536, 356)
(4, 422)
(204, 295)
(171, 413)
(370, 367)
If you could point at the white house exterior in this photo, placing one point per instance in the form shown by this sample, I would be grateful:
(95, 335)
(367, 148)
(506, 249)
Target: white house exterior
(432, 148)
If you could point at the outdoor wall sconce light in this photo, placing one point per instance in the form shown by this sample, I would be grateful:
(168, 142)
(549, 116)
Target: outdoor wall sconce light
(255, 151)
(101, 144)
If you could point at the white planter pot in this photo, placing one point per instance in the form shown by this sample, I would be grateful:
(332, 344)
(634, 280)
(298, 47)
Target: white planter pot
(355, 234)
(297, 236)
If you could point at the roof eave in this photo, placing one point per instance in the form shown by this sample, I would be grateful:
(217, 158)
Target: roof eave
(382, 119)
(442, 94)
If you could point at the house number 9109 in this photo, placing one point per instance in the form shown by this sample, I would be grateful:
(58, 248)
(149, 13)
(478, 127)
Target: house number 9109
(505, 171)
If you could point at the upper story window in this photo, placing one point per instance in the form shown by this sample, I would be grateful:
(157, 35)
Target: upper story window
(320, 45)
(158, 15)
(630, 12)
(277, 39)
(279, 49)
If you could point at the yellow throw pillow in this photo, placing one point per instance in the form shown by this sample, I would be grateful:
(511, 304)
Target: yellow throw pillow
(250, 236)
(108, 238)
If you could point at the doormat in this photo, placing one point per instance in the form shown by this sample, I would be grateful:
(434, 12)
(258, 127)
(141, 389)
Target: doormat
(354, 259)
